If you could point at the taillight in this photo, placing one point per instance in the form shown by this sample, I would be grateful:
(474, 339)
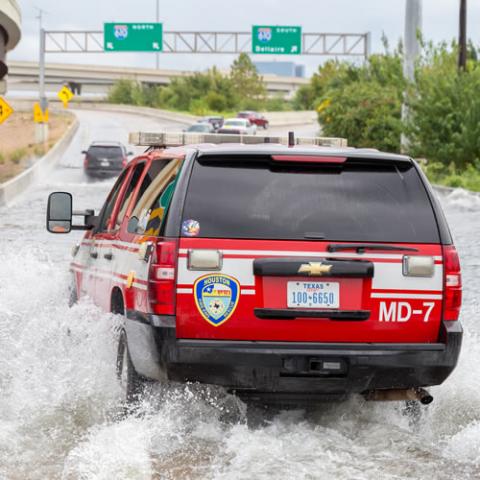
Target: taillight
(162, 283)
(452, 284)
(124, 162)
(85, 161)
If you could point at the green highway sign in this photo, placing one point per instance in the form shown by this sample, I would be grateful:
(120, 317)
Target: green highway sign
(132, 37)
(277, 40)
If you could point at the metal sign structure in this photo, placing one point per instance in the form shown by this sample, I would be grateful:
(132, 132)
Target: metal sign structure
(324, 44)
(276, 40)
(92, 41)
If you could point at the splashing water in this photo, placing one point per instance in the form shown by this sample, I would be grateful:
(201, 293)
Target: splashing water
(59, 399)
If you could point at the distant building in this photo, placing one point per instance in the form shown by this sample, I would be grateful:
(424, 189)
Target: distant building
(282, 69)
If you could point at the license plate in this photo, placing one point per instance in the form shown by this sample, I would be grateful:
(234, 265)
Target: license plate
(104, 163)
(313, 294)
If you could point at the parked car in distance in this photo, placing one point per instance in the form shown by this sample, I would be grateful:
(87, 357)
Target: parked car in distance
(201, 127)
(256, 118)
(239, 126)
(215, 121)
(105, 159)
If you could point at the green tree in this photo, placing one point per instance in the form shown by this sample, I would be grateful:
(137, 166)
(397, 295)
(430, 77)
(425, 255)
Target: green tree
(247, 84)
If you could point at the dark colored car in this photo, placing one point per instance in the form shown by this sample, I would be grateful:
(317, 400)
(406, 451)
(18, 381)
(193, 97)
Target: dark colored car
(201, 127)
(215, 121)
(284, 274)
(105, 159)
(255, 118)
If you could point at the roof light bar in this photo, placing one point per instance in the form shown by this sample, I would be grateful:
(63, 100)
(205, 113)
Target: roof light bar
(175, 139)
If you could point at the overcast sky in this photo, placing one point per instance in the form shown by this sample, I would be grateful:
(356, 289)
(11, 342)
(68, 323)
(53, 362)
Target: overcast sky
(440, 22)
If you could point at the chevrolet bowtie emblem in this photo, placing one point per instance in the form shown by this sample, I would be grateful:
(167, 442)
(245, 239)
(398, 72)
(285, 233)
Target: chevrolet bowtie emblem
(315, 269)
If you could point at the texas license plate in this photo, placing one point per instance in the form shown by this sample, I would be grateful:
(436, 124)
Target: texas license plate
(313, 294)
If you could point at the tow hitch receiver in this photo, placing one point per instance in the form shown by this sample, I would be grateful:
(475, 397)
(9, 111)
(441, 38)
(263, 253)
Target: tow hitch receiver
(417, 394)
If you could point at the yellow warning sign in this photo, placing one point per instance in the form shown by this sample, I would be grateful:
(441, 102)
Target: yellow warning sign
(65, 95)
(39, 116)
(5, 110)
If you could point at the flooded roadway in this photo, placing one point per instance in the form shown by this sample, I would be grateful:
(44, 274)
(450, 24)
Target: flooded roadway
(59, 397)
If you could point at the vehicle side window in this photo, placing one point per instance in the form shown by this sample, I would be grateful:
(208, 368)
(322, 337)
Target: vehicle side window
(153, 202)
(136, 175)
(109, 205)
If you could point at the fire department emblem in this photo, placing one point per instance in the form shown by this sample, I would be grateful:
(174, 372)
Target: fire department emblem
(120, 31)
(265, 34)
(216, 297)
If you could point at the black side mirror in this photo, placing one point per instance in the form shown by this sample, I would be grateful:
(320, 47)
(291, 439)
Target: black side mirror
(132, 225)
(129, 154)
(84, 152)
(59, 212)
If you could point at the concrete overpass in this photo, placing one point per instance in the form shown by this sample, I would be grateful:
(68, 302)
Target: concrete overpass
(95, 79)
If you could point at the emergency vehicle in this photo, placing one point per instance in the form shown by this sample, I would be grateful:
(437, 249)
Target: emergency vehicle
(287, 270)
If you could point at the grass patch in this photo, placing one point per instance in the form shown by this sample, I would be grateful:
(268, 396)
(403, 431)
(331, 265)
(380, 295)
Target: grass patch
(18, 155)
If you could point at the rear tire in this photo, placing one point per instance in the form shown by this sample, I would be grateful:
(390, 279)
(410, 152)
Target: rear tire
(131, 383)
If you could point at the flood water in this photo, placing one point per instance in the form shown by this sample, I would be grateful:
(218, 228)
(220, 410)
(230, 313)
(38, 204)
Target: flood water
(59, 415)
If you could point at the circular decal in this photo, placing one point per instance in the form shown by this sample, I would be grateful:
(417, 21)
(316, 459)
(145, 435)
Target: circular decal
(190, 228)
(216, 297)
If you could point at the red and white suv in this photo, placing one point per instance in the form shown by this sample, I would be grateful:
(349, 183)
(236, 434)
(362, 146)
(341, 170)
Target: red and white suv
(286, 274)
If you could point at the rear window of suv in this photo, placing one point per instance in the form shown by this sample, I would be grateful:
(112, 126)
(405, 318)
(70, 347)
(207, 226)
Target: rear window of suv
(105, 152)
(255, 198)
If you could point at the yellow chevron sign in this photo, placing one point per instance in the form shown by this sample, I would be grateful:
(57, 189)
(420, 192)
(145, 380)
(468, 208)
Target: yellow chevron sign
(5, 110)
(65, 95)
(39, 116)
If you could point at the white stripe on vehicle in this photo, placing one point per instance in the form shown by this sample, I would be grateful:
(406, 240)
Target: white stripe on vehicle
(389, 276)
(419, 296)
(240, 268)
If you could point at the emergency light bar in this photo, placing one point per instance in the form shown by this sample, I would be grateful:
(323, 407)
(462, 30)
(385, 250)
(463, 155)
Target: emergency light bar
(174, 139)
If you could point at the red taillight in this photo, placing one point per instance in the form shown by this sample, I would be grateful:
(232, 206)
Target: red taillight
(162, 283)
(85, 161)
(124, 162)
(452, 284)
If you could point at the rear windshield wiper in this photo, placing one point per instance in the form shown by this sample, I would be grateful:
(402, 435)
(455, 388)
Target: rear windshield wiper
(361, 247)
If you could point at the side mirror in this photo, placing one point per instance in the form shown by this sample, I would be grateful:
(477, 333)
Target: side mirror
(84, 152)
(132, 225)
(129, 154)
(59, 212)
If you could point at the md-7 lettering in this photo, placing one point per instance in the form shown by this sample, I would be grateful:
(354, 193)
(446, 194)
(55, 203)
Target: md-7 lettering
(401, 312)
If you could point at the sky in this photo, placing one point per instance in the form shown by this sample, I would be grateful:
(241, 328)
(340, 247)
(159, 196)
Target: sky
(440, 22)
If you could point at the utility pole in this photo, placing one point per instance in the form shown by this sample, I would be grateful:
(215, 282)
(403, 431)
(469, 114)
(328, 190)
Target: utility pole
(413, 26)
(462, 37)
(41, 128)
(158, 21)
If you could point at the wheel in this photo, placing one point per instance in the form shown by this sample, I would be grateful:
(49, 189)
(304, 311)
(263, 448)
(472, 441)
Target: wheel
(131, 382)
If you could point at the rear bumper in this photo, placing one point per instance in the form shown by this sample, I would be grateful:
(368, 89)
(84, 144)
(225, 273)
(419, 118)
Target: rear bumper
(102, 172)
(301, 371)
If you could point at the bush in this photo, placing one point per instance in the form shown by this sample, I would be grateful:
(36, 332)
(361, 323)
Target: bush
(216, 101)
(200, 93)
(18, 155)
(444, 124)
(122, 92)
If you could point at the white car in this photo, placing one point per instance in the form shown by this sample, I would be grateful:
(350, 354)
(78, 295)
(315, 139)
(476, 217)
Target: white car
(240, 126)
